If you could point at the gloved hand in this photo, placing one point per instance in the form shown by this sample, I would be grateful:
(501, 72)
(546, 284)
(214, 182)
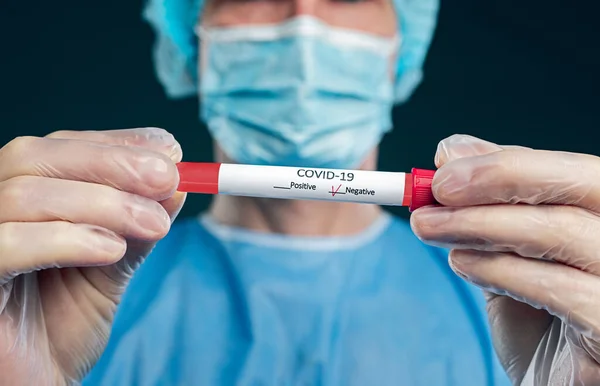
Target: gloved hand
(524, 225)
(79, 211)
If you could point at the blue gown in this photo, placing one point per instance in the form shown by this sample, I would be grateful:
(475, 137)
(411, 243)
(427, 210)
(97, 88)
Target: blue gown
(215, 305)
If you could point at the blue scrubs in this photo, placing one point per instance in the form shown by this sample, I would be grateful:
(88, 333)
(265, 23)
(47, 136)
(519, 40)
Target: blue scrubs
(215, 305)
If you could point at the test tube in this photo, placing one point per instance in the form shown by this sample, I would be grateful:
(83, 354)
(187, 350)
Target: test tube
(302, 183)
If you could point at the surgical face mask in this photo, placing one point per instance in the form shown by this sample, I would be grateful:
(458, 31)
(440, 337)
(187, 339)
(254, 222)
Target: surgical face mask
(301, 93)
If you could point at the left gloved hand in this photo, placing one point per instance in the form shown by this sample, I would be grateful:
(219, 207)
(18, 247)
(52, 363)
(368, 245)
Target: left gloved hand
(524, 225)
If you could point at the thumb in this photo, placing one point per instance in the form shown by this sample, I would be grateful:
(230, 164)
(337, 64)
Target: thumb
(517, 329)
(112, 280)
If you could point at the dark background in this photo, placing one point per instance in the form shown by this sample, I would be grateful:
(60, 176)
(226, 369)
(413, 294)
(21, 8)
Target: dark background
(511, 71)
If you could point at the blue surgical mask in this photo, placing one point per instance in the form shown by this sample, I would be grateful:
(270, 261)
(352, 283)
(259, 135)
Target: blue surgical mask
(300, 93)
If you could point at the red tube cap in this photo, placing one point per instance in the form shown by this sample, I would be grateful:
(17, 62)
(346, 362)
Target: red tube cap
(198, 177)
(421, 189)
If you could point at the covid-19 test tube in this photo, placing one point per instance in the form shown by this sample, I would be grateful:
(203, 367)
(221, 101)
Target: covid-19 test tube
(360, 186)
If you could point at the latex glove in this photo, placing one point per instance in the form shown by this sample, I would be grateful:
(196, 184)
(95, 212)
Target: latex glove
(78, 213)
(539, 262)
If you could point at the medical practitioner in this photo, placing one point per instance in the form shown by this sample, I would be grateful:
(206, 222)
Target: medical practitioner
(265, 292)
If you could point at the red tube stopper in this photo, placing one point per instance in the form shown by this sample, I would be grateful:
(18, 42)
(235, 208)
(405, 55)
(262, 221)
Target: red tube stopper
(198, 177)
(421, 189)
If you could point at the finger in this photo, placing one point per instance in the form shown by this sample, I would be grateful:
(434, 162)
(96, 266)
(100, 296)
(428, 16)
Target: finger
(151, 138)
(135, 170)
(56, 244)
(515, 176)
(561, 233)
(113, 279)
(566, 292)
(459, 146)
(127, 214)
(462, 146)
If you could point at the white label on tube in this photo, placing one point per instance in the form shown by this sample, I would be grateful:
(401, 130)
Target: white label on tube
(383, 188)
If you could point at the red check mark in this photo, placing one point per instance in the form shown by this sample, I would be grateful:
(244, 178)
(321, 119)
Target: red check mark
(334, 191)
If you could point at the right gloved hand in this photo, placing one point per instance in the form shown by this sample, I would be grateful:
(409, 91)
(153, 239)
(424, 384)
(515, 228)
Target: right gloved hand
(79, 211)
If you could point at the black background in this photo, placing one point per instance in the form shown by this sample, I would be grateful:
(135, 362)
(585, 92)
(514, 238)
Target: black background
(513, 72)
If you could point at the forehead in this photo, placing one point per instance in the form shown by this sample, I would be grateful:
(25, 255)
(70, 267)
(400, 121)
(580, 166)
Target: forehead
(374, 16)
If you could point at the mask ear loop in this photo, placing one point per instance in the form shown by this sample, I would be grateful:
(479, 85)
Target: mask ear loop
(201, 35)
(395, 56)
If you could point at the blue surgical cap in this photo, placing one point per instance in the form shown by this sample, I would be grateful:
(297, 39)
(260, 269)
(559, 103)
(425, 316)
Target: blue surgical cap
(176, 47)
